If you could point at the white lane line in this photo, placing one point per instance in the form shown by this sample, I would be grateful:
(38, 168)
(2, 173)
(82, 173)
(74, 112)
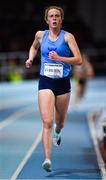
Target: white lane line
(28, 155)
(96, 146)
(14, 116)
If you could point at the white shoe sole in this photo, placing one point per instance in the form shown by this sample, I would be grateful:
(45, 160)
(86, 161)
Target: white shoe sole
(55, 142)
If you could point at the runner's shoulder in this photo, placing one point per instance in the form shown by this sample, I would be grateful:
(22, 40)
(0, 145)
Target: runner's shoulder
(68, 36)
(39, 35)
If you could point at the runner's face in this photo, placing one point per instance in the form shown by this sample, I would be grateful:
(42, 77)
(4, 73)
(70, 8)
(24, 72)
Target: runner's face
(54, 18)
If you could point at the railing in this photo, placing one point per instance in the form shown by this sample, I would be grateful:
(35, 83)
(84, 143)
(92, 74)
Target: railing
(12, 67)
(12, 64)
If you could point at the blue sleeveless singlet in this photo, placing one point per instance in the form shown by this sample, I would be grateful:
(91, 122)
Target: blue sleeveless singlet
(50, 68)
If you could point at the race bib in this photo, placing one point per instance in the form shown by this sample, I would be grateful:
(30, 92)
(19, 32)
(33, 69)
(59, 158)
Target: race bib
(53, 70)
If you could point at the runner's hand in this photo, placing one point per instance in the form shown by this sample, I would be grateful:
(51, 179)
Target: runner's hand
(53, 55)
(28, 63)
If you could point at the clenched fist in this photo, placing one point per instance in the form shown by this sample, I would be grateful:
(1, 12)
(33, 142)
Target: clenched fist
(28, 63)
(53, 55)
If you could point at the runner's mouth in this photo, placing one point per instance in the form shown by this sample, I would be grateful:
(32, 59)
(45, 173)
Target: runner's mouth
(54, 23)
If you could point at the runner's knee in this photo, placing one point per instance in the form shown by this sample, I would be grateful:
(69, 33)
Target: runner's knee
(60, 125)
(47, 125)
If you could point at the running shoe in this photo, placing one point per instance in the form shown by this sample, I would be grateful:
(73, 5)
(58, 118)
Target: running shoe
(47, 165)
(56, 136)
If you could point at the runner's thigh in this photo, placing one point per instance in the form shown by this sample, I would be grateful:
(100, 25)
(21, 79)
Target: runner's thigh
(46, 101)
(61, 103)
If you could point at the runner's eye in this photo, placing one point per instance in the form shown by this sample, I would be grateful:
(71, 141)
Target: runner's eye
(56, 15)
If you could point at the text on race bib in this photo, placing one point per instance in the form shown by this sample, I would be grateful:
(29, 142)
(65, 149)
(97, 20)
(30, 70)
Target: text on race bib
(53, 70)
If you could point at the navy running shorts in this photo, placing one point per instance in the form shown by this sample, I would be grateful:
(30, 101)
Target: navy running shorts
(58, 86)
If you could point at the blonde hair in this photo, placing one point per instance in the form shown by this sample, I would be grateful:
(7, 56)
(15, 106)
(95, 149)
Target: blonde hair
(54, 7)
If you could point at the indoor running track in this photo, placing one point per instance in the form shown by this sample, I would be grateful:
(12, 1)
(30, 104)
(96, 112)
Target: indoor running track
(21, 152)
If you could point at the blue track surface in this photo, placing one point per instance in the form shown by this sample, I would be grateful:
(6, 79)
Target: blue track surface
(20, 125)
(74, 159)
